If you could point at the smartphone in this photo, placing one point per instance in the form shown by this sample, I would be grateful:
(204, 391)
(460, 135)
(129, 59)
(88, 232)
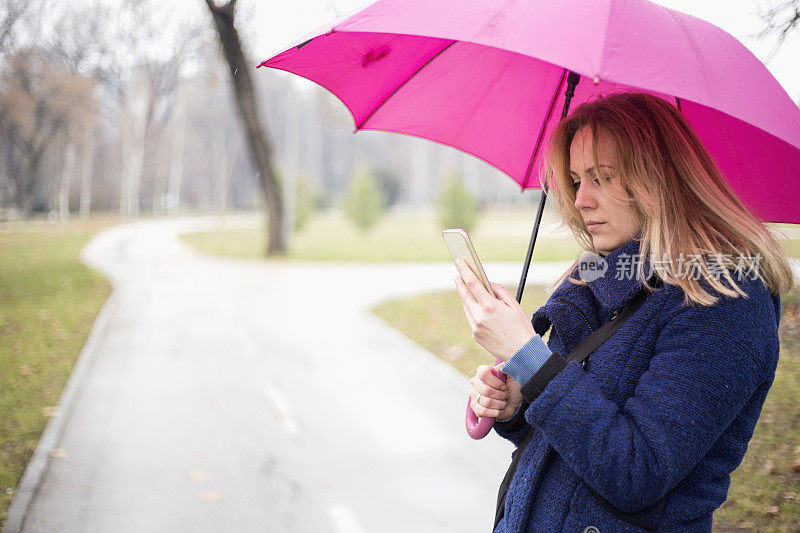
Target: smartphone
(460, 246)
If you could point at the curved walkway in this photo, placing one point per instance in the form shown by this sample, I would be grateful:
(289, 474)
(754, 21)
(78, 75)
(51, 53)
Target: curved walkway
(238, 395)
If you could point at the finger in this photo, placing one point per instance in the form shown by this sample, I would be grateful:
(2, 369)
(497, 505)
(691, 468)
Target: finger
(469, 317)
(502, 293)
(497, 371)
(482, 411)
(486, 375)
(473, 284)
(466, 296)
(487, 393)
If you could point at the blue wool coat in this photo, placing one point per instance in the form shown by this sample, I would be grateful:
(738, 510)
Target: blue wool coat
(658, 418)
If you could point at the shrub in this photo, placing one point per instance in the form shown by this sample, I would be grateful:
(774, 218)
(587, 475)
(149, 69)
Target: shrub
(457, 207)
(364, 202)
(389, 183)
(306, 201)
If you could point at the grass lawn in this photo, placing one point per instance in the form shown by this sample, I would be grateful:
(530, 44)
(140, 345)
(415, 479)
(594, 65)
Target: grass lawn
(765, 489)
(399, 236)
(436, 322)
(500, 235)
(48, 303)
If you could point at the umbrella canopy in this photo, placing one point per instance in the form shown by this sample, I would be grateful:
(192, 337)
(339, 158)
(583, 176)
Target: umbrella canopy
(488, 77)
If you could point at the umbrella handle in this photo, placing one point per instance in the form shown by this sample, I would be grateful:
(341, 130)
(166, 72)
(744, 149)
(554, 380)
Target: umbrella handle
(477, 428)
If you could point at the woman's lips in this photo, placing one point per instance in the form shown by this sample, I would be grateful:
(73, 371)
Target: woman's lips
(592, 227)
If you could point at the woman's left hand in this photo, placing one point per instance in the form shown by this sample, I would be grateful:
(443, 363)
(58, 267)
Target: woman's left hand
(498, 324)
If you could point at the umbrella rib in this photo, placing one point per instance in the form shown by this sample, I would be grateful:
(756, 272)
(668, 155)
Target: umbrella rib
(544, 126)
(358, 126)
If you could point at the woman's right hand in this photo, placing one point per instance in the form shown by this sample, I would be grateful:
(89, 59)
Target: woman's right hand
(497, 399)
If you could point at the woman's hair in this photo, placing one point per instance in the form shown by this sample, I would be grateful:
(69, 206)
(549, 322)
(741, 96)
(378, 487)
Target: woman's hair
(682, 202)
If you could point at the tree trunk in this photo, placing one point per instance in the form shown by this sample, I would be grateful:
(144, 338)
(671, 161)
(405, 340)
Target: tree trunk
(133, 157)
(137, 167)
(26, 193)
(246, 103)
(176, 159)
(291, 168)
(27, 190)
(87, 170)
(221, 177)
(66, 180)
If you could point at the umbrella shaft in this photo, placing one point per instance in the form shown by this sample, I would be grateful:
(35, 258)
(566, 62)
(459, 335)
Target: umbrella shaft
(572, 80)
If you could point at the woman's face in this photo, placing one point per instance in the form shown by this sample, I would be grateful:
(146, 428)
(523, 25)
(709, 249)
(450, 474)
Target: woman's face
(614, 220)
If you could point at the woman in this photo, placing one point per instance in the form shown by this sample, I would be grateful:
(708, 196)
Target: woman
(644, 434)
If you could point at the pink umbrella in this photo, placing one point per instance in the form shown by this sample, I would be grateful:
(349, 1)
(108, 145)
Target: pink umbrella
(487, 76)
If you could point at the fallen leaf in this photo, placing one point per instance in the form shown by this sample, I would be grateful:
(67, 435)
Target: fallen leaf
(24, 370)
(796, 464)
(790, 496)
(50, 410)
(769, 466)
(212, 495)
(59, 453)
(199, 475)
(452, 353)
(773, 510)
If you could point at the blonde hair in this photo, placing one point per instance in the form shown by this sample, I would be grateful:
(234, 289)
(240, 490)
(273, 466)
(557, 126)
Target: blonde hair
(682, 202)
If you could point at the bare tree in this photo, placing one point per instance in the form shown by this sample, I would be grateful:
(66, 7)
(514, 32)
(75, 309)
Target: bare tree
(40, 101)
(141, 79)
(11, 13)
(260, 149)
(64, 185)
(87, 173)
(779, 18)
(177, 148)
(74, 39)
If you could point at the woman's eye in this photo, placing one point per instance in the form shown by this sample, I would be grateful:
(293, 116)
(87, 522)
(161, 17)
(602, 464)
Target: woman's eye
(575, 185)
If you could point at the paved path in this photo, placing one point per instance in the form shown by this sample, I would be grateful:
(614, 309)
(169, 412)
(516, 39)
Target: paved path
(237, 395)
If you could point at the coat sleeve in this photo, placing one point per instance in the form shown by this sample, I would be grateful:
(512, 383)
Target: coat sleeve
(514, 428)
(708, 362)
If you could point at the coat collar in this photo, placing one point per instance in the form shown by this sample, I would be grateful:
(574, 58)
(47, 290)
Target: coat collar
(621, 280)
(618, 283)
(576, 310)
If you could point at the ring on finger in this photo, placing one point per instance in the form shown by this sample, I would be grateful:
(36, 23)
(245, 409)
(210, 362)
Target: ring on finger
(478, 399)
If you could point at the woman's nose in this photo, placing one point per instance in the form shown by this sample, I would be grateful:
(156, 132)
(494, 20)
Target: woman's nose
(584, 197)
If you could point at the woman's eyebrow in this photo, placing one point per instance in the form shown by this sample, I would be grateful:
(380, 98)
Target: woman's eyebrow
(590, 170)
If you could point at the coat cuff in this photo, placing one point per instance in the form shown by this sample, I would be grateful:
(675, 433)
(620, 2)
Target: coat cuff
(536, 384)
(528, 360)
(516, 421)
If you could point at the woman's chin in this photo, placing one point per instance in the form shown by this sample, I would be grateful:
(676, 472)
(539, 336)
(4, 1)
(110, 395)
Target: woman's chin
(605, 246)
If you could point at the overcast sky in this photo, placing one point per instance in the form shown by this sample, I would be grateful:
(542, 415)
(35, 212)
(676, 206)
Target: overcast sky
(277, 24)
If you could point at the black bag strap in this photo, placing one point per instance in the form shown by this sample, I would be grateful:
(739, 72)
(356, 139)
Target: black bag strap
(588, 345)
(579, 355)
